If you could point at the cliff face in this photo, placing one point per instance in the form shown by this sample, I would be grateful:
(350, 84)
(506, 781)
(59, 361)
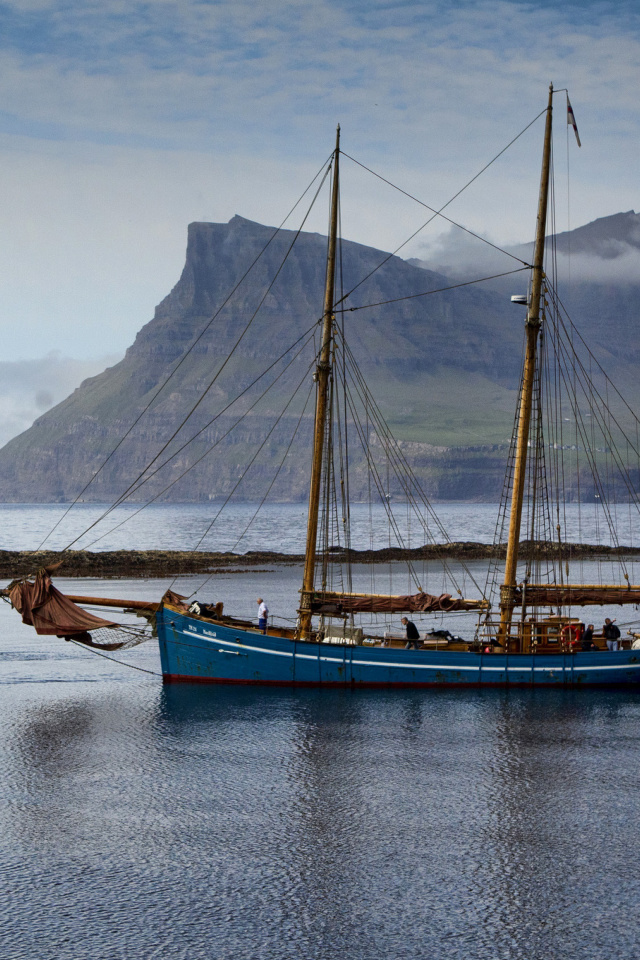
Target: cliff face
(444, 369)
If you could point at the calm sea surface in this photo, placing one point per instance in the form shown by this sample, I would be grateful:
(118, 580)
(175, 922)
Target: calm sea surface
(140, 822)
(280, 527)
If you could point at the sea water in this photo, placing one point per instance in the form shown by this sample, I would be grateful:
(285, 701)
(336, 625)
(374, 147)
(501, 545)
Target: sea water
(142, 821)
(280, 527)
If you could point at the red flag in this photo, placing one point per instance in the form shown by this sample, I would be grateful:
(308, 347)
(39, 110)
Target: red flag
(571, 120)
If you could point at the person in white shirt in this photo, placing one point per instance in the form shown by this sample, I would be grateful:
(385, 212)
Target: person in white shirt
(263, 613)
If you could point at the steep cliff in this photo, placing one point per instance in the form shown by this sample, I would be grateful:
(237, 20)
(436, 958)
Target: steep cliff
(444, 369)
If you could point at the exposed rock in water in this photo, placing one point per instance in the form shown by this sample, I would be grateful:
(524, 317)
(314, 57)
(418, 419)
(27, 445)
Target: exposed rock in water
(161, 563)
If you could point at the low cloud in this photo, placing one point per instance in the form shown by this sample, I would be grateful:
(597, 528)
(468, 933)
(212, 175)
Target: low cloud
(624, 268)
(458, 255)
(28, 388)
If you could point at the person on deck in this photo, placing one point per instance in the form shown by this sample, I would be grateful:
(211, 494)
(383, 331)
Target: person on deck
(611, 634)
(587, 639)
(413, 637)
(263, 613)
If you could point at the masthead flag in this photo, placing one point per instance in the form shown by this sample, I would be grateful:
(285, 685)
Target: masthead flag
(571, 120)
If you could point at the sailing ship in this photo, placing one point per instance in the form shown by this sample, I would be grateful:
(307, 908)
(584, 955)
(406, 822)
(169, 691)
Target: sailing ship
(532, 636)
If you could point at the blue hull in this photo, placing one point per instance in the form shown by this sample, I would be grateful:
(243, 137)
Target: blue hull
(195, 651)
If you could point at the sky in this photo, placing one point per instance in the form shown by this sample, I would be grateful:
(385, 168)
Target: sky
(121, 122)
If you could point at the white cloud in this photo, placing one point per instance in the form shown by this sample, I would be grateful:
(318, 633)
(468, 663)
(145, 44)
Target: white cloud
(29, 387)
(625, 268)
(457, 254)
(124, 121)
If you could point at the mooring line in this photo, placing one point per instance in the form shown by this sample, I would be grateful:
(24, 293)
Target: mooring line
(131, 666)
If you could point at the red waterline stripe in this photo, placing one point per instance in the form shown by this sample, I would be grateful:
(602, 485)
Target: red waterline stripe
(382, 685)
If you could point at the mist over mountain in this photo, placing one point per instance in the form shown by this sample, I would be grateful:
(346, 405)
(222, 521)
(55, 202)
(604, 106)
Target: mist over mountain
(444, 369)
(606, 250)
(30, 387)
(597, 271)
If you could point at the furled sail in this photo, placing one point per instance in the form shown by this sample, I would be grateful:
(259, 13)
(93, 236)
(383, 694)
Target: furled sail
(337, 604)
(575, 594)
(43, 606)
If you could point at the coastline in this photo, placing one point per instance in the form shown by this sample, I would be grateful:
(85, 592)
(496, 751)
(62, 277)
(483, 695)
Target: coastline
(142, 564)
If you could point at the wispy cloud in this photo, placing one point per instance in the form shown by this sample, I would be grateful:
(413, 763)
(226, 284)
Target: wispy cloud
(598, 256)
(124, 121)
(182, 69)
(30, 387)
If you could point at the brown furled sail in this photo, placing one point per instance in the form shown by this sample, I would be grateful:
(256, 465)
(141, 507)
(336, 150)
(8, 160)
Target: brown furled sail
(43, 606)
(575, 594)
(336, 604)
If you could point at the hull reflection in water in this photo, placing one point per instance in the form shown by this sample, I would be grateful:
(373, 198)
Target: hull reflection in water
(193, 650)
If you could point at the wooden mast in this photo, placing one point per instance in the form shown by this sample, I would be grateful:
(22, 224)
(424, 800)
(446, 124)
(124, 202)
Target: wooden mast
(508, 588)
(323, 371)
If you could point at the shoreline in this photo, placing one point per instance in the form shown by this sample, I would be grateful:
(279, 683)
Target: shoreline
(144, 564)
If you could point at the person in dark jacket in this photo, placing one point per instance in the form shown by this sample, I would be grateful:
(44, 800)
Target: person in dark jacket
(587, 639)
(611, 634)
(413, 637)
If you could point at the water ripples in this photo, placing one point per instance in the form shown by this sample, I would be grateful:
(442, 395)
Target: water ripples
(221, 823)
(197, 822)
(277, 526)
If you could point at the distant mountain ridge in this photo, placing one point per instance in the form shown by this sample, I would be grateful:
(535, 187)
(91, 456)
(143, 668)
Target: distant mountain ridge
(444, 368)
(606, 238)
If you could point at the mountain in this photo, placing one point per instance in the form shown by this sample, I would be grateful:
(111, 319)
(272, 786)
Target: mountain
(608, 238)
(598, 276)
(444, 368)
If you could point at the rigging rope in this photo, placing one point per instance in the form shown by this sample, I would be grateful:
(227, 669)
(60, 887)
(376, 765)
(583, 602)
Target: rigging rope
(276, 474)
(262, 502)
(256, 454)
(307, 336)
(428, 293)
(121, 663)
(438, 212)
(199, 337)
(196, 462)
(396, 459)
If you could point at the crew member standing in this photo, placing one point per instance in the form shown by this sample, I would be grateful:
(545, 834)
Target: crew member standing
(587, 639)
(611, 634)
(263, 613)
(413, 637)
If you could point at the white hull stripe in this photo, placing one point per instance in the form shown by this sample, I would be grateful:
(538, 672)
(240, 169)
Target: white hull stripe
(479, 668)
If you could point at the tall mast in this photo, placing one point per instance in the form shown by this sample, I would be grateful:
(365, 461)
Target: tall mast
(507, 591)
(322, 373)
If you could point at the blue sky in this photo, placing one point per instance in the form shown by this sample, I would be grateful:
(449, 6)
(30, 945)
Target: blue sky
(121, 122)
